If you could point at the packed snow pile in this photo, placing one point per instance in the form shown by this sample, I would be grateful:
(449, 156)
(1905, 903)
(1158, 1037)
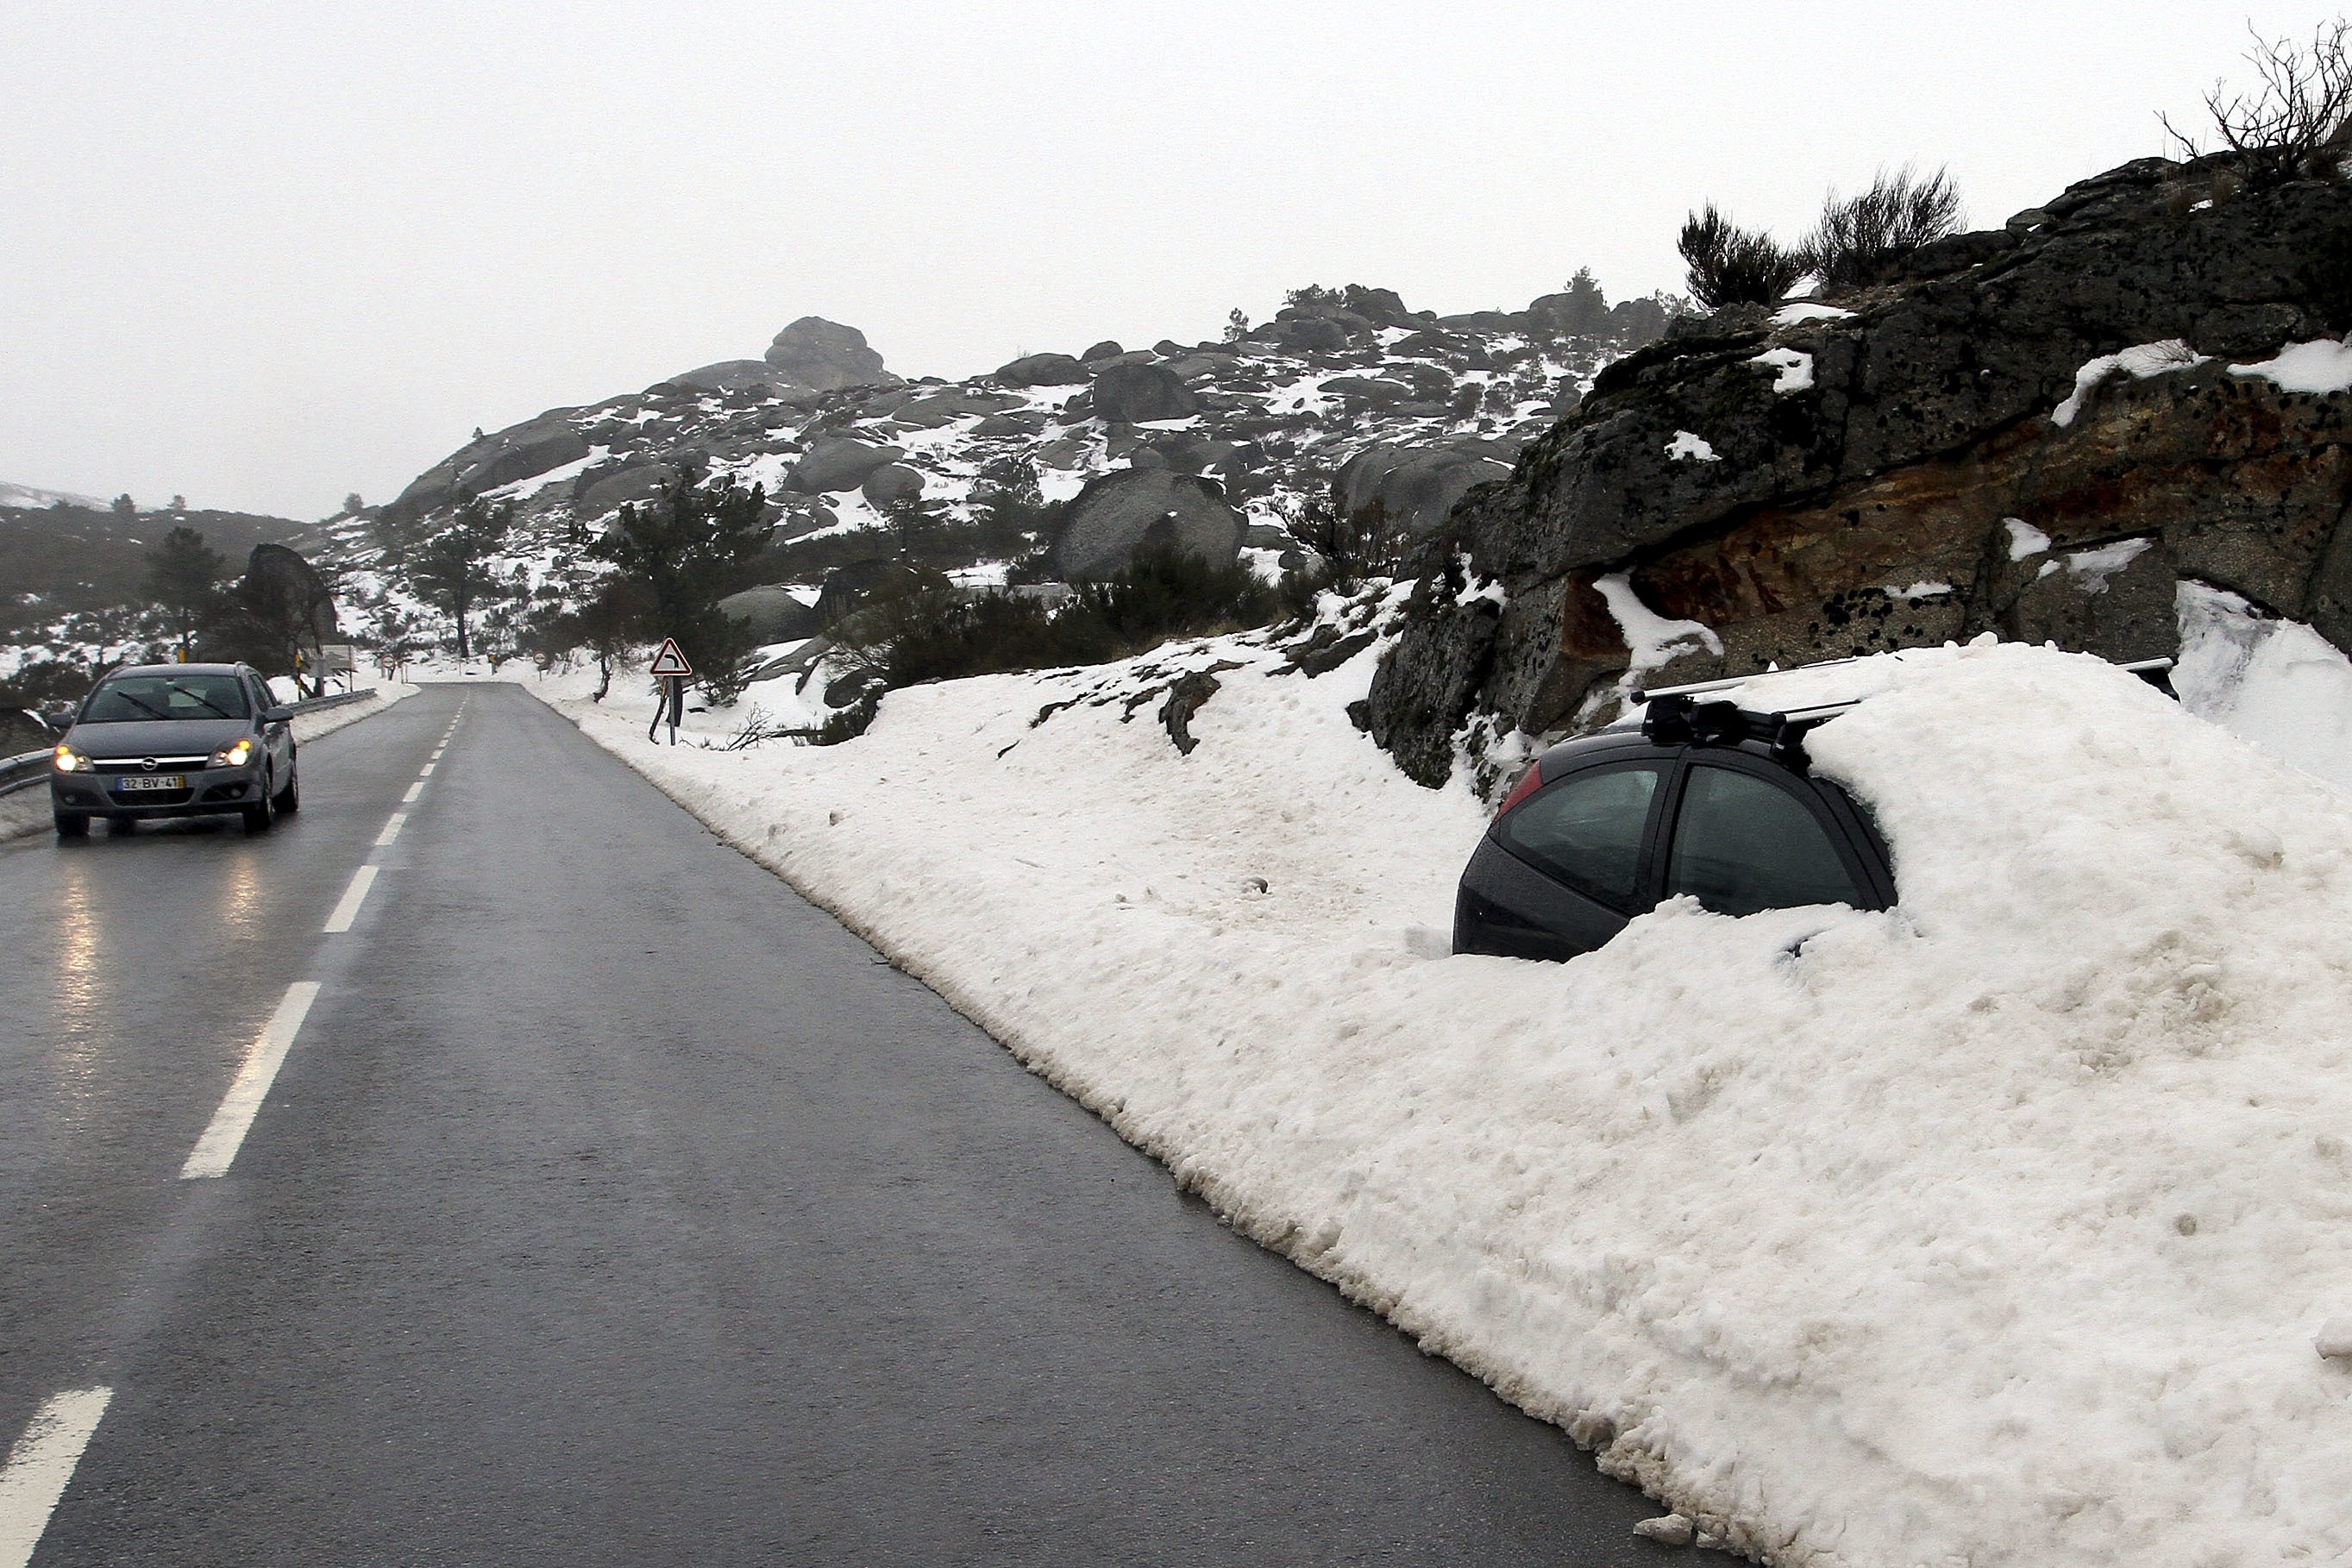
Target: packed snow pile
(1999, 1227)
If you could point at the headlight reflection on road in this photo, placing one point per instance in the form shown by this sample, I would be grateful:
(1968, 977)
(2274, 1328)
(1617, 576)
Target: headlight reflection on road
(240, 894)
(79, 979)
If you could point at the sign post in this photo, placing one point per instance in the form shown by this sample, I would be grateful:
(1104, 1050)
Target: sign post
(670, 665)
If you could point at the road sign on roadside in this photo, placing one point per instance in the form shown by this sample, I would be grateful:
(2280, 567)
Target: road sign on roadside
(670, 665)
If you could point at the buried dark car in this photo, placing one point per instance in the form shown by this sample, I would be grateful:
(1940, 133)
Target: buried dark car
(1705, 799)
(176, 739)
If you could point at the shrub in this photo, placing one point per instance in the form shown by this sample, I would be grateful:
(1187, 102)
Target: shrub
(1860, 236)
(1733, 266)
(1350, 546)
(2297, 122)
(917, 626)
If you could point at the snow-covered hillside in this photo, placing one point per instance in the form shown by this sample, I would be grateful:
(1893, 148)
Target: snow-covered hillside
(1430, 405)
(1995, 1229)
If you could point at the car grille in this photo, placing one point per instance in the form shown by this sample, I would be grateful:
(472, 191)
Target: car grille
(139, 765)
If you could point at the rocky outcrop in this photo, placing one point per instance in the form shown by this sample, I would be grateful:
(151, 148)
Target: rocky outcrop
(838, 463)
(1415, 486)
(1133, 394)
(1916, 466)
(519, 452)
(826, 355)
(1044, 370)
(604, 489)
(893, 484)
(740, 375)
(1118, 511)
(771, 613)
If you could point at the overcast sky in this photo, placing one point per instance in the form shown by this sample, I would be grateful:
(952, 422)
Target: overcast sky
(264, 255)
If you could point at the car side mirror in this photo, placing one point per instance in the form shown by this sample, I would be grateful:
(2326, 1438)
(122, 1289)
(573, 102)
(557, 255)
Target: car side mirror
(60, 718)
(276, 715)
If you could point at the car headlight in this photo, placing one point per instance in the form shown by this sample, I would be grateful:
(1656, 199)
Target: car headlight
(233, 756)
(70, 761)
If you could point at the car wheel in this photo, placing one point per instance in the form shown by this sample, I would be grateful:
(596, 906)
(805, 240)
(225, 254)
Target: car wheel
(262, 818)
(72, 825)
(289, 799)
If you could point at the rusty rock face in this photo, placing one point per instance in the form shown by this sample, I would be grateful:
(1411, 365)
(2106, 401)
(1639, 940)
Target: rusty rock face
(1920, 468)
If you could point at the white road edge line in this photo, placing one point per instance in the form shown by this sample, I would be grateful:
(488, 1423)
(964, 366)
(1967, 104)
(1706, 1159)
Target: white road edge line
(347, 908)
(217, 1148)
(413, 791)
(40, 1464)
(391, 829)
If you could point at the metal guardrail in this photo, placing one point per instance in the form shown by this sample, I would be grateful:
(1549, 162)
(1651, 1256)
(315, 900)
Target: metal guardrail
(333, 700)
(23, 770)
(27, 769)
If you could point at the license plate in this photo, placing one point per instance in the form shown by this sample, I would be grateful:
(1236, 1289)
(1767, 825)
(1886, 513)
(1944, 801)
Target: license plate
(154, 781)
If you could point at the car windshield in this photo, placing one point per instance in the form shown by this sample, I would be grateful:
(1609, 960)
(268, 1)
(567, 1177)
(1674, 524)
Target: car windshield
(136, 697)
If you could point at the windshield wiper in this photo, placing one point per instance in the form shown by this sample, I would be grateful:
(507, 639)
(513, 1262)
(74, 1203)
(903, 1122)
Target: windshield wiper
(140, 706)
(200, 697)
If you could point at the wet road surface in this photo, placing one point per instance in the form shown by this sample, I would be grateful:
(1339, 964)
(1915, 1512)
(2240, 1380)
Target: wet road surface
(610, 1203)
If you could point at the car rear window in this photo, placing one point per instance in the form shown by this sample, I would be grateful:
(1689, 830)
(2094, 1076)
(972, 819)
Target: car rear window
(133, 699)
(1586, 829)
(1744, 844)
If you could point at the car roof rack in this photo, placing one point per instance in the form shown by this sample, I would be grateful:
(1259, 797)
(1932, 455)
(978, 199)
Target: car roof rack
(1678, 718)
(1672, 716)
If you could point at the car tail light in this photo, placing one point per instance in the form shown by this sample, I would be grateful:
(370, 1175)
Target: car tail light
(1529, 782)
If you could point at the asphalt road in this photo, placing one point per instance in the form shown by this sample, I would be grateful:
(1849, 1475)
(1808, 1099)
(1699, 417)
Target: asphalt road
(613, 1204)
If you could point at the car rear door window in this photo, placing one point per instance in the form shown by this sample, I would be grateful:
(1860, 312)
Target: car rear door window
(1743, 844)
(1587, 830)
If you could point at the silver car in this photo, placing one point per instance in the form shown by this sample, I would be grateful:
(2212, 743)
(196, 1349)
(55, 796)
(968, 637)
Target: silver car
(176, 739)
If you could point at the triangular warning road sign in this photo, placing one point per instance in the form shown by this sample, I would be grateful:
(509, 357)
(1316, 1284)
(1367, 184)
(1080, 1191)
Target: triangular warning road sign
(670, 661)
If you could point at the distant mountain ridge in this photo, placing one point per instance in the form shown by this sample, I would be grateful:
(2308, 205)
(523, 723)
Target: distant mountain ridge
(29, 495)
(63, 559)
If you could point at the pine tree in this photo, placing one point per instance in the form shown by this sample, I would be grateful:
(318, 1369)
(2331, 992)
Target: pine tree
(183, 576)
(687, 551)
(452, 571)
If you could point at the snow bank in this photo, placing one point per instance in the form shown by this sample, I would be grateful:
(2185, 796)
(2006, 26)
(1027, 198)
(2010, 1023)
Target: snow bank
(309, 727)
(1996, 1228)
(2278, 683)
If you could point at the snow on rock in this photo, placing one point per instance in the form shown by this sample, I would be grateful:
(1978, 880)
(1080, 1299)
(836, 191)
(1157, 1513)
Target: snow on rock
(1651, 638)
(2094, 567)
(2139, 361)
(1689, 444)
(1996, 1227)
(1918, 591)
(1796, 369)
(2323, 365)
(1804, 312)
(2025, 541)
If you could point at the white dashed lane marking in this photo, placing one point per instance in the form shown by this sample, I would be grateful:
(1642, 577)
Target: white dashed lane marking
(40, 1464)
(391, 829)
(217, 1148)
(413, 791)
(347, 908)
